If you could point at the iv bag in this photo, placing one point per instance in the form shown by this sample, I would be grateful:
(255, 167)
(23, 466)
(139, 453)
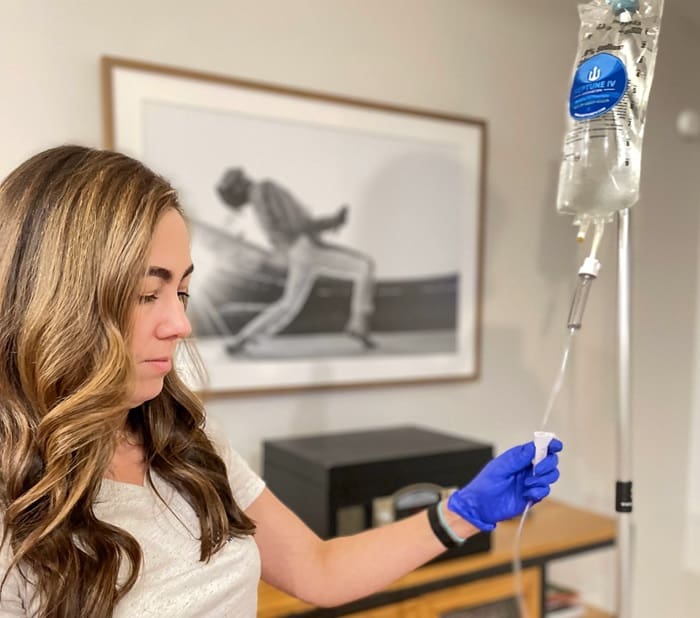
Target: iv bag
(614, 68)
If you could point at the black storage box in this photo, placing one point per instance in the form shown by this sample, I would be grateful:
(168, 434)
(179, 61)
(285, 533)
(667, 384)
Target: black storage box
(346, 482)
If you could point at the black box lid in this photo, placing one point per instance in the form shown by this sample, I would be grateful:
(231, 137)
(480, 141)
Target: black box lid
(355, 455)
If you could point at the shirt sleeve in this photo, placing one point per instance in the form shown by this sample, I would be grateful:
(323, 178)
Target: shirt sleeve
(11, 602)
(246, 486)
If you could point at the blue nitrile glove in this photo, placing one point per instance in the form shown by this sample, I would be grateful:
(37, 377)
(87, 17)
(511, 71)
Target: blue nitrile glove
(505, 485)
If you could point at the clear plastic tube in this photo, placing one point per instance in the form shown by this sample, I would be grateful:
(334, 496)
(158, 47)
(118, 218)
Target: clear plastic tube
(559, 381)
(518, 565)
(597, 237)
(517, 561)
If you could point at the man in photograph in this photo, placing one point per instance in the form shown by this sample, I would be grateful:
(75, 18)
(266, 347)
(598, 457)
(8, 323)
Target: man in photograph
(296, 235)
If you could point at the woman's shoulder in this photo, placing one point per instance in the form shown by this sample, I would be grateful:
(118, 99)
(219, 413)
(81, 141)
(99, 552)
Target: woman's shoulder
(245, 484)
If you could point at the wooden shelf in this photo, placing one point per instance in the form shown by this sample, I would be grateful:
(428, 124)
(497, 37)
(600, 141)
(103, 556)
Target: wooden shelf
(553, 529)
(594, 612)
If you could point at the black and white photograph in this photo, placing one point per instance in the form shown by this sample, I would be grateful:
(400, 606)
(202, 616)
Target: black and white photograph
(335, 242)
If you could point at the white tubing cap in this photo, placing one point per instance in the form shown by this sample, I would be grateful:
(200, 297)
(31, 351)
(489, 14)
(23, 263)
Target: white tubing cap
(590, 266)
(541, 440)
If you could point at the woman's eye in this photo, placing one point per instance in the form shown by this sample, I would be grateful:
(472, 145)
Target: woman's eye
(148, 298)
(184, 297)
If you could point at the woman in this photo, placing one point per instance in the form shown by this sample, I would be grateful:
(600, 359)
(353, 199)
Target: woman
(114, 498)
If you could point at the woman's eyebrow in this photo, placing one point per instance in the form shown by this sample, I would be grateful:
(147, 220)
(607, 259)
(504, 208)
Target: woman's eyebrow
(165, 274)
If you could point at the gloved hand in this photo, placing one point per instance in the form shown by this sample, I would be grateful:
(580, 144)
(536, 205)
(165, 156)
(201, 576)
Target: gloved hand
(505, 485)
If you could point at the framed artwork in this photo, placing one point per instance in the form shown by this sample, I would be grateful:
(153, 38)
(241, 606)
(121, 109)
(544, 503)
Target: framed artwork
(336, 241)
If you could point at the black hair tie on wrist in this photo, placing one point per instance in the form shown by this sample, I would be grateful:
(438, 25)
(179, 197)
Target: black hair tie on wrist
(437, 528)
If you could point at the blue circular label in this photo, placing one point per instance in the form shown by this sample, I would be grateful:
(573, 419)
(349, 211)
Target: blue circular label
(599, 84)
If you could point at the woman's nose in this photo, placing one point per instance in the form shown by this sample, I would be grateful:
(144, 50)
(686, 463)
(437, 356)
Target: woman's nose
(185, 326)
(175, 324)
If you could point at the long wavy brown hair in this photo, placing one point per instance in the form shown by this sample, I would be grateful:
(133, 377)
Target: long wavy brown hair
(75, 231)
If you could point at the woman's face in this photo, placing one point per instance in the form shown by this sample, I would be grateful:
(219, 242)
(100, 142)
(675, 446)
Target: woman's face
(159, 320)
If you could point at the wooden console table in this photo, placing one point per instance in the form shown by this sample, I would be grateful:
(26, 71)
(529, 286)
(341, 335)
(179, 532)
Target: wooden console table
(553, 530)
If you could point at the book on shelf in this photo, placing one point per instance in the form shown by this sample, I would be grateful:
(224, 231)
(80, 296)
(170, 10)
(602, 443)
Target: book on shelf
(562, 602)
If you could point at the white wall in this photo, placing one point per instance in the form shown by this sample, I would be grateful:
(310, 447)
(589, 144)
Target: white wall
(508, 62)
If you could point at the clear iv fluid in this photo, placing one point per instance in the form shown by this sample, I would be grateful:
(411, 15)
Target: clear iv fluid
(601, 157)
(600, 168)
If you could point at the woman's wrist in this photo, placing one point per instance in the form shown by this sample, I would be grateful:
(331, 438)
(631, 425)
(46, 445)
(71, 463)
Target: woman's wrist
(450, 529)
(460, 526)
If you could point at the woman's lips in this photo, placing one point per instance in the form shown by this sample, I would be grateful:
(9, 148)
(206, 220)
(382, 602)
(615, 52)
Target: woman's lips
(160, 364)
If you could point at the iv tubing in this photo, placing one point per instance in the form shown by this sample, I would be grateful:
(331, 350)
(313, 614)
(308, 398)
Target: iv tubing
(587, 274)
(518, 565)
(517, 562)
(559, 381)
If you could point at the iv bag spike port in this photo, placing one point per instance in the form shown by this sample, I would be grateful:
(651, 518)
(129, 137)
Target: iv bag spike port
(620, 6)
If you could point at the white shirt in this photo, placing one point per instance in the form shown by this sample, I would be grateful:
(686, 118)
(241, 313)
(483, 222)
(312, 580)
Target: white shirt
(172, 582)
